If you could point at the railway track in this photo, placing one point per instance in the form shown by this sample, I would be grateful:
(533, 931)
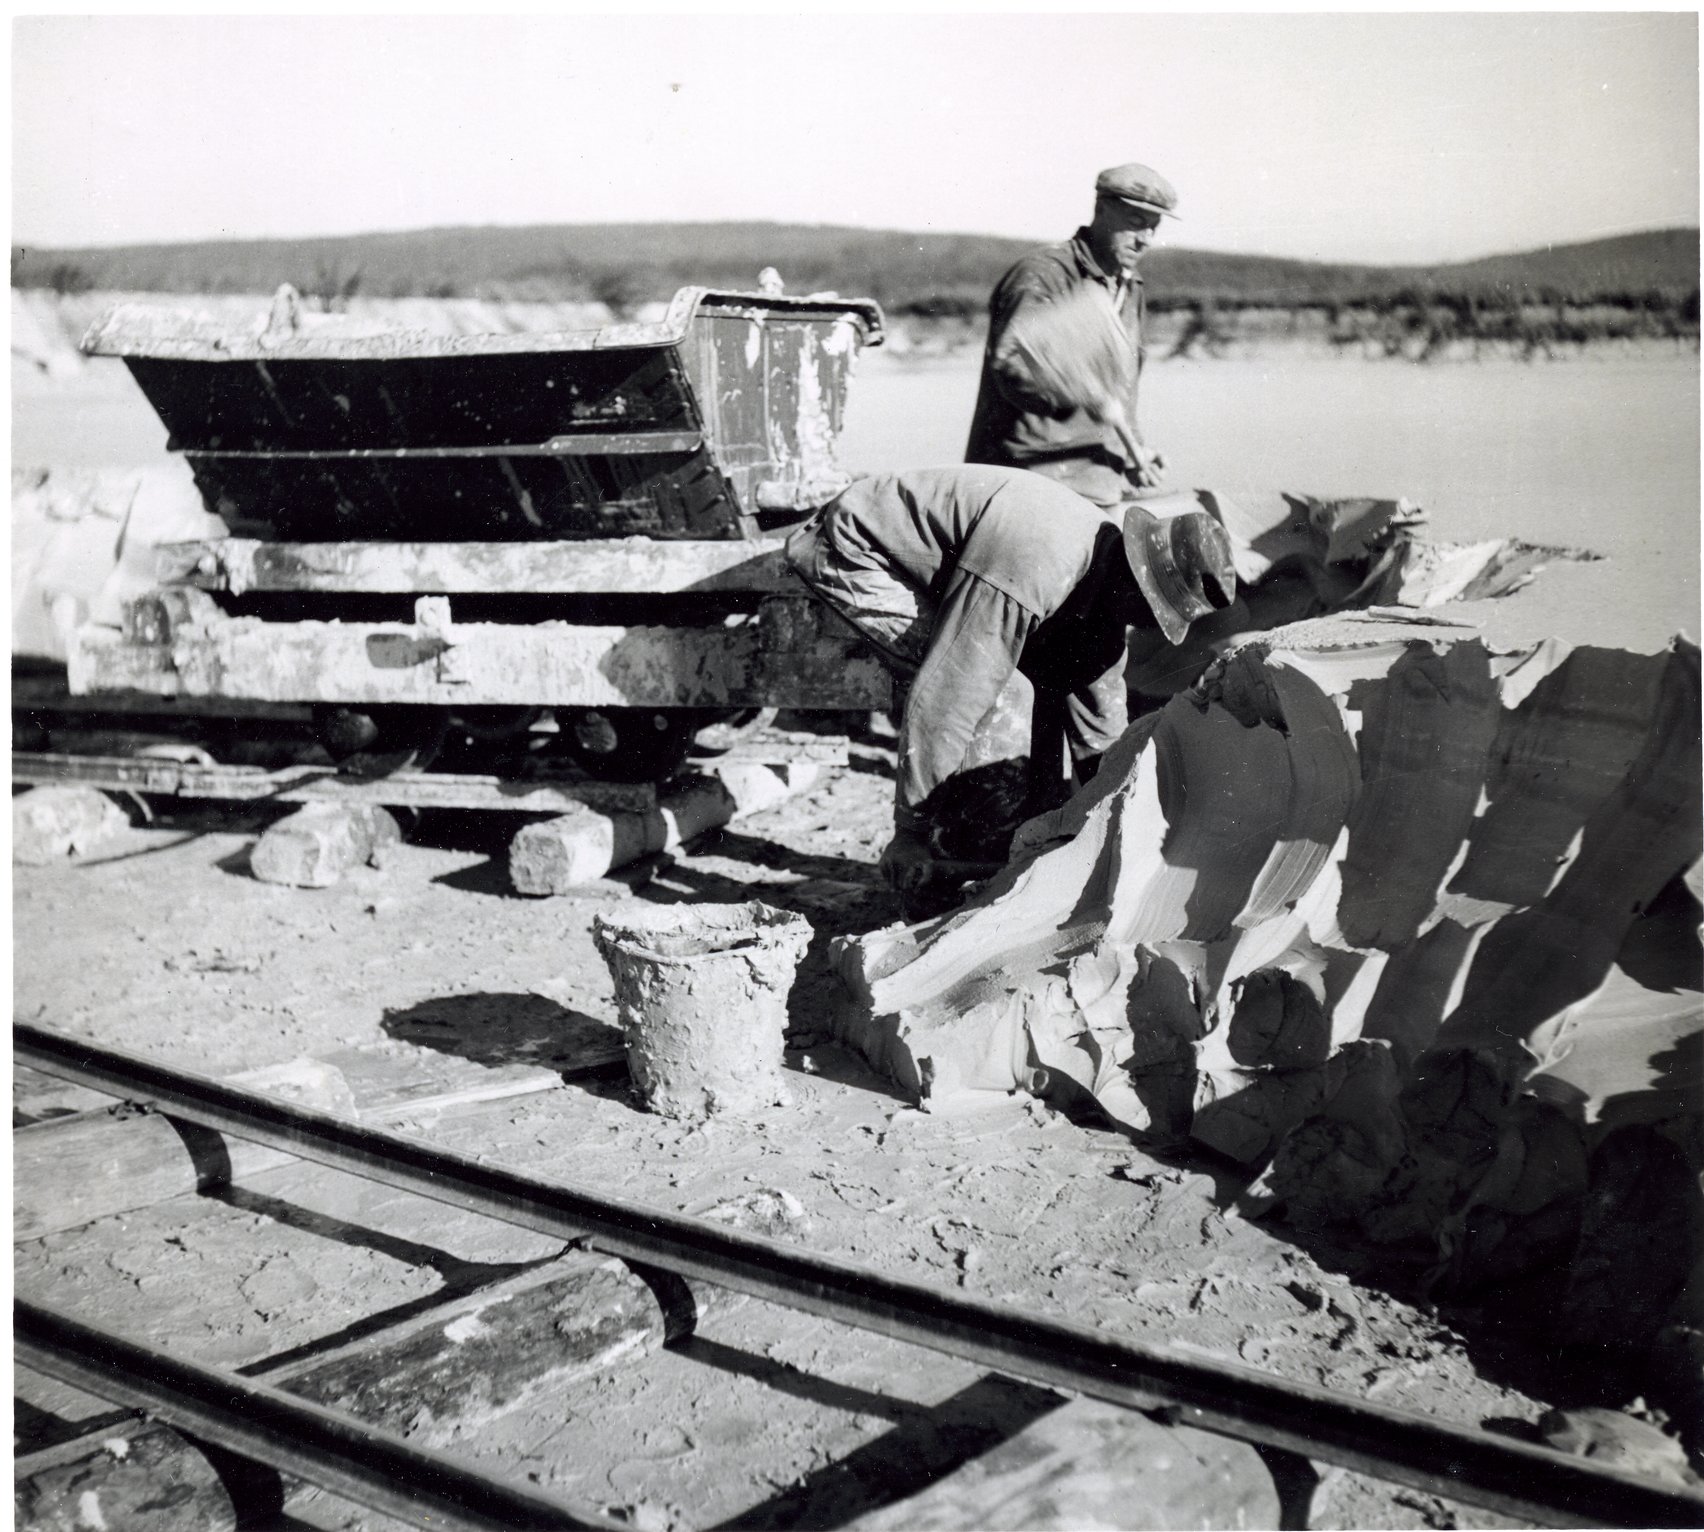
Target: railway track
(374, 1467)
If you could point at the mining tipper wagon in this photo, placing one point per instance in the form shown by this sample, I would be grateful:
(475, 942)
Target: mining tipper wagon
(479, 537)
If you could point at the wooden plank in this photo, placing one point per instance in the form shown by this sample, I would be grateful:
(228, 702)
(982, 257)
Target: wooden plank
(306, 784)
(778, 747)
(149, 1479)
(1089, 1464)
(464, 1084)
(38, 1097)
(789, 654)
(459, 1365)
(593, 566)
(73, 1170)
(403, 789)
(541, 1330)
(556, 856)
(391, 1079)
(160, 331)
(172, 738)
(69, 1171)
(478, 1358)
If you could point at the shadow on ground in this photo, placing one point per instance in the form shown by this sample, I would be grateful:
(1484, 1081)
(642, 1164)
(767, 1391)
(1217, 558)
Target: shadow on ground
(498, 1029)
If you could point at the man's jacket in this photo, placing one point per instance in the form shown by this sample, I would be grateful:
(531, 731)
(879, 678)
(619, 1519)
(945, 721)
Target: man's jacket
(1022, 420)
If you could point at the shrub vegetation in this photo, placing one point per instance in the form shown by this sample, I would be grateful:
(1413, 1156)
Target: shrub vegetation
(1632, 286)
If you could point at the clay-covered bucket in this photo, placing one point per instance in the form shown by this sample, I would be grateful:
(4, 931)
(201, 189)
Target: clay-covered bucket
(702, 992)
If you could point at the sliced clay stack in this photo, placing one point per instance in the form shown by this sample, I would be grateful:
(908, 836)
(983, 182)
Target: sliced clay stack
(1397, 919)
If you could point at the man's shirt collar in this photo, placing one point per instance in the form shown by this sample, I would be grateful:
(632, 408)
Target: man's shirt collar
(1087, 266)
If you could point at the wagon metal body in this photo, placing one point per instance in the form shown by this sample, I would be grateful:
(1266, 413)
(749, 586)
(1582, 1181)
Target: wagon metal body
(585, 519)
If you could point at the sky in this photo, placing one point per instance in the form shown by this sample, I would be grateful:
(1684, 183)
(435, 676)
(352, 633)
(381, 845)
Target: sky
(1374, 136)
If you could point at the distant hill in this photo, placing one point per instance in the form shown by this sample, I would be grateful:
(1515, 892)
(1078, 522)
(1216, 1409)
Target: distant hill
(625, 264)
(618, 263)
(1664, 260)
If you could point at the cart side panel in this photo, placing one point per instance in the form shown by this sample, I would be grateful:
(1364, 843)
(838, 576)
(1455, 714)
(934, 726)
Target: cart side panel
(723, 356)
(482, 447)
(396, 404)
(774, 385)
(808, 366)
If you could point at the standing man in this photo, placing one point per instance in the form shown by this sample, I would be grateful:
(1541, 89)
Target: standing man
(1075, 422)
(959, 577)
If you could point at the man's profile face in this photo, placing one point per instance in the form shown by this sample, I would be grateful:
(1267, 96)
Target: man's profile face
(1122, 232)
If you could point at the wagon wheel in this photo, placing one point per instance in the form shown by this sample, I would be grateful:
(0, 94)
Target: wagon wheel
(376, 739)
(494, 737)
(495, 723)
(732, 728)
(628, 744)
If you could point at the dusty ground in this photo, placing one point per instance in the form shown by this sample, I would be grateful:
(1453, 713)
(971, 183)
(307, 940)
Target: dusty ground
(163, 943)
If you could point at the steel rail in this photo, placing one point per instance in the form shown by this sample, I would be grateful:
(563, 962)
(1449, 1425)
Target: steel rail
(356, 1461)
(1511, 1477)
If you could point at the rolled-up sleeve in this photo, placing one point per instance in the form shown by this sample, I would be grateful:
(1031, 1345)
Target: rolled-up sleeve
(978, 639)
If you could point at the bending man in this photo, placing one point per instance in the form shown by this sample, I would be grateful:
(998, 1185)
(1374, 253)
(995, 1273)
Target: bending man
(961, 577)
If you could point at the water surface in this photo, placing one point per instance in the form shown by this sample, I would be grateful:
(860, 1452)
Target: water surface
(1599, 451)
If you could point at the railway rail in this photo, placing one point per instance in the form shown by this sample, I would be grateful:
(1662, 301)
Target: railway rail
(378, 1469)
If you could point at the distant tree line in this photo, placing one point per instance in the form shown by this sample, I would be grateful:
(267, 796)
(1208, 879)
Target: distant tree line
(1423, 324)
(1631, 286)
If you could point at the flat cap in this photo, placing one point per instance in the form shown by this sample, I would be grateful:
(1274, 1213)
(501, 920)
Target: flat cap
(1139, 184)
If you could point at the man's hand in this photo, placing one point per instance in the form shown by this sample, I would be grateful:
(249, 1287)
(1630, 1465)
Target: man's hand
(908, 863)
(1150, 468)
(1147, 467)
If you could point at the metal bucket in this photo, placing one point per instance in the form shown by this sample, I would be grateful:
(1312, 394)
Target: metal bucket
(702, 992)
